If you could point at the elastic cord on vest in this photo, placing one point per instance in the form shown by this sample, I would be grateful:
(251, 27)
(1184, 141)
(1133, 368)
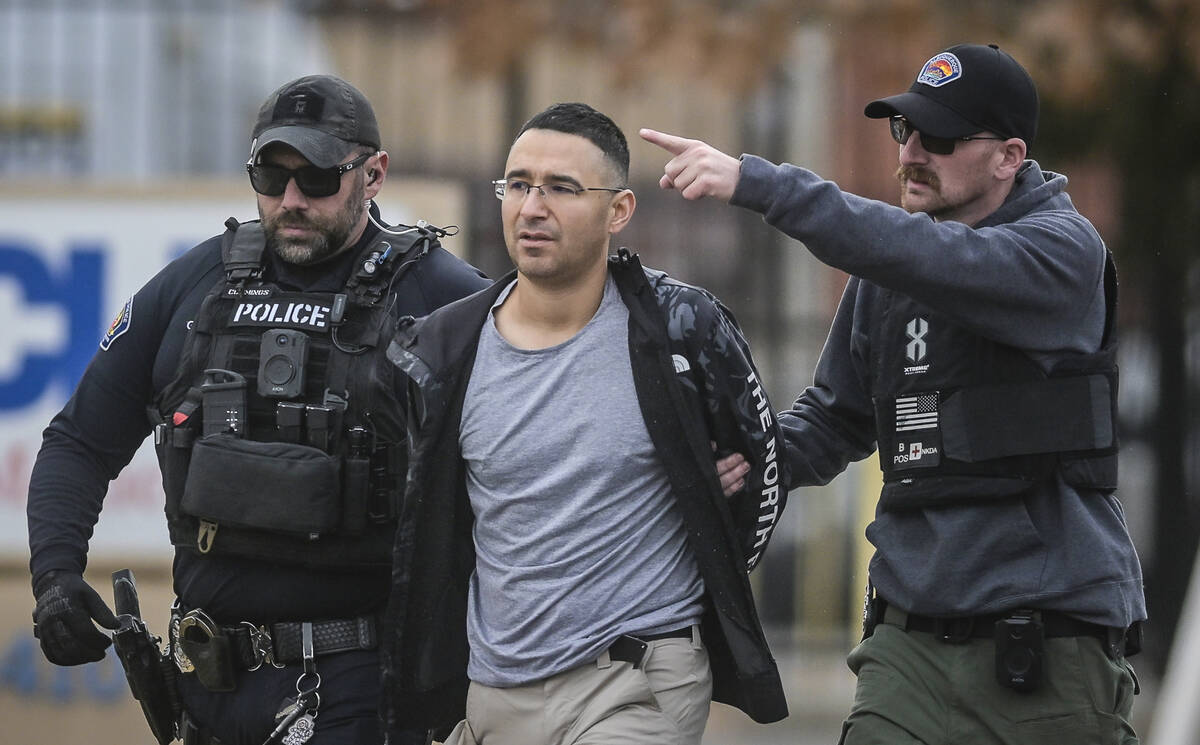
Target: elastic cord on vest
(421, 225)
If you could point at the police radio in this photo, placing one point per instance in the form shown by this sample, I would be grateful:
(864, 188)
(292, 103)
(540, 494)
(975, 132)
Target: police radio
(281, 357)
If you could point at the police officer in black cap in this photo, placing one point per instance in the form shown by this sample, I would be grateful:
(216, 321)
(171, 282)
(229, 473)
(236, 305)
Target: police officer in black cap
(974, 348)
(259, 354)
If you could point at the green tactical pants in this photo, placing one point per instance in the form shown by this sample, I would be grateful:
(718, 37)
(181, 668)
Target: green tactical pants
(914, 689)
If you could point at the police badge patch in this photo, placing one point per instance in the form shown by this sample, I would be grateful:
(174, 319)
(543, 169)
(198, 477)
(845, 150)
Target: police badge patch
(940, 69)
(119, 325)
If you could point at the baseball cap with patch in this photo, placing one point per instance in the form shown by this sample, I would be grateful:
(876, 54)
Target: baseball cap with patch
(323, 117)
(966, 89)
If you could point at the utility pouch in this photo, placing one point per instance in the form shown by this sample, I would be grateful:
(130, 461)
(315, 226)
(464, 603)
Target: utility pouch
(173, 447)
(209, 650)
(224, 395)
(275, 486)
(357, 483)
(355, 490)
(389, 465)
(174, 434)
(1133, 639)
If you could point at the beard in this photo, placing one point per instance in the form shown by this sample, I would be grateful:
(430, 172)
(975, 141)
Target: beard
(328, 234)
(904, 174)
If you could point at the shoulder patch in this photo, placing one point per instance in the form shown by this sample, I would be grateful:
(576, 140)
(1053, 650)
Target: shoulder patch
(681, 363)
(940, 69)
(119, 325)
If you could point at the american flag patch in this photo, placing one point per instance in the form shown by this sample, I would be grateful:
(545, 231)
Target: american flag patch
(917, 412)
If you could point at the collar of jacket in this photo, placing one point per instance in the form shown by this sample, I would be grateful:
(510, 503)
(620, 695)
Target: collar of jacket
(444, 336)
(634, 286)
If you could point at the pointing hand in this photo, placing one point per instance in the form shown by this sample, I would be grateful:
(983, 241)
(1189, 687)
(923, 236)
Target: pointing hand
(697, 168)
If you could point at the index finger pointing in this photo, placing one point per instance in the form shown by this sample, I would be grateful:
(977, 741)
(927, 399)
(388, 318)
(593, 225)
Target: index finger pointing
(671, 143)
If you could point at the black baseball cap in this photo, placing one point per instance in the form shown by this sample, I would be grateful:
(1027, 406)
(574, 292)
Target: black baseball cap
(323, 117)
(966, 89)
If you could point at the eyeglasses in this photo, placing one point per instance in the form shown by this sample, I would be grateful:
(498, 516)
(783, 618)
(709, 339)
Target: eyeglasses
(902, 129)
(517, 189)
(271, 181)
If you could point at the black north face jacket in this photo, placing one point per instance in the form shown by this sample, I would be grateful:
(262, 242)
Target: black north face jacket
(696, 383)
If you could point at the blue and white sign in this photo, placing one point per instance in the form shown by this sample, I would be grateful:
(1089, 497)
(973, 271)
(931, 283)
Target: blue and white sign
(67, 268)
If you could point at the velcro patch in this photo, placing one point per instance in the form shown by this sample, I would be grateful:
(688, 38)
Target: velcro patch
(282, 312)
(301, 105)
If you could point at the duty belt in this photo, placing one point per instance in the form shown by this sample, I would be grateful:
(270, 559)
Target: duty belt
(278, 644)
(1118, 642)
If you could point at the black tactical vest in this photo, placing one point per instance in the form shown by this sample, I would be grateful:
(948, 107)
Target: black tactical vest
(962, 418)
(282, 437)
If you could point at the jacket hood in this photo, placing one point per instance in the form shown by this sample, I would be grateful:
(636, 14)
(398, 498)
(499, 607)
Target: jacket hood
(1034, 190)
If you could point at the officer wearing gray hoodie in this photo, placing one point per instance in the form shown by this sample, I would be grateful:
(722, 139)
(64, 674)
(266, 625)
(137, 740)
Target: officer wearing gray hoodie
(974, 348)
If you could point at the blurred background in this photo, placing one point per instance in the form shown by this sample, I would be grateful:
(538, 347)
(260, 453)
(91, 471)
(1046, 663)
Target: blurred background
(124, 125)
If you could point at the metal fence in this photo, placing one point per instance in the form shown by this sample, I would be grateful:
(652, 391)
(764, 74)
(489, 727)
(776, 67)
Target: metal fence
(141, 89)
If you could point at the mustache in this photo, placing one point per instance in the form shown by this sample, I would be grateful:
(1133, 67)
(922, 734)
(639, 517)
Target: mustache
(920, 175)
(290, 220)
(535, 226)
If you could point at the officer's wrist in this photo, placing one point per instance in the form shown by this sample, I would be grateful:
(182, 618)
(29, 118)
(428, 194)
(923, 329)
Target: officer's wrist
(43, 582)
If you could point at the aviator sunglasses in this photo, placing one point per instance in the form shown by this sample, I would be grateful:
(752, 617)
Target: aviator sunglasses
(271, 181)
(902, 130)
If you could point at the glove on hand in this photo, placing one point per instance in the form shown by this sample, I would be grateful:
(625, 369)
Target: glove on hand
(62, 620)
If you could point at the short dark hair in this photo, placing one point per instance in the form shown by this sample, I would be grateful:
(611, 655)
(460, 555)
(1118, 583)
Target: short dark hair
(581, 119)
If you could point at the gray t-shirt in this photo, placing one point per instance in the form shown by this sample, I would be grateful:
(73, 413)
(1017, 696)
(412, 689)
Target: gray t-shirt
(577, 535)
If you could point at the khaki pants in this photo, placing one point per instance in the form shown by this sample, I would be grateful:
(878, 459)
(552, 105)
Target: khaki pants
(663, 702)
(916, 690)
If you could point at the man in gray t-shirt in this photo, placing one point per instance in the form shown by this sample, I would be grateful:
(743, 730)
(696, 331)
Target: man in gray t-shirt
(566, 487)
(576, 533)
(563, 505)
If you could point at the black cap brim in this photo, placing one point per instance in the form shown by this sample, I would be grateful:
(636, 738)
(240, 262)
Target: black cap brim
(925, 114)
(318, 148)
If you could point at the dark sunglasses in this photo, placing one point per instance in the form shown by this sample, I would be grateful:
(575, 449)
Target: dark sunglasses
(271, 181)
(902, 130)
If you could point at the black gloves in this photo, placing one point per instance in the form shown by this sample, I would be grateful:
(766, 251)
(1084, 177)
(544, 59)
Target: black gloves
(62, 620)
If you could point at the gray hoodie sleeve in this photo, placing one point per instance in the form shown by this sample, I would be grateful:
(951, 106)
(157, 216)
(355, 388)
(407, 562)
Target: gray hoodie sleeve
(832, 422)
(1031, 275)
